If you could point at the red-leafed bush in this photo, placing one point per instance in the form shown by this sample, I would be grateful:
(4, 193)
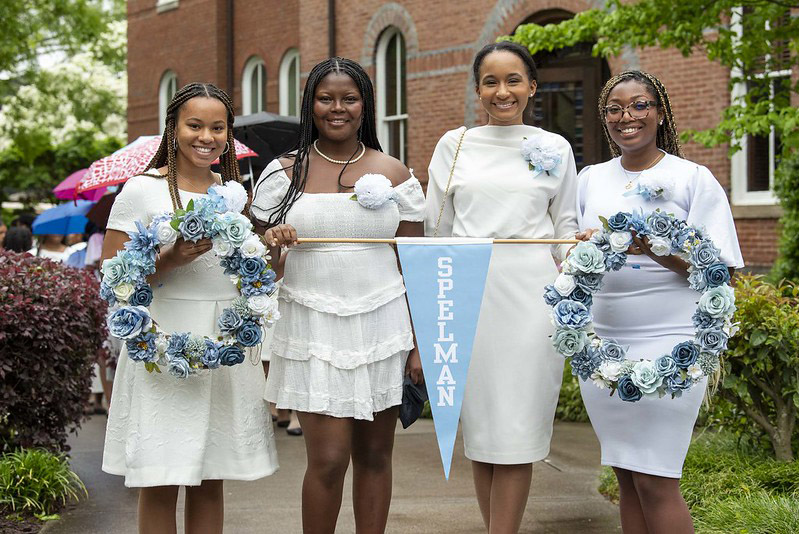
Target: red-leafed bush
(52, 323)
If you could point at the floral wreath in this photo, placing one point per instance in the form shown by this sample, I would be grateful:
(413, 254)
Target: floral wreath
(604, 360)
(243, 257)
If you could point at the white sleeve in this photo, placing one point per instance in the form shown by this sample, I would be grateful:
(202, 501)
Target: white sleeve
(130, 205)
(582, 186)
(438, 174)
(269, 191)
(410, 200)
(563, 207)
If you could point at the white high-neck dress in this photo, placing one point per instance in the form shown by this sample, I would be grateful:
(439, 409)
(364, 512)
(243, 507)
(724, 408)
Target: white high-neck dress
(648, 308)
(515, 375)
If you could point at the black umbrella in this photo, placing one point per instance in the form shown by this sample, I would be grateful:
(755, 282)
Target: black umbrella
(267, 134)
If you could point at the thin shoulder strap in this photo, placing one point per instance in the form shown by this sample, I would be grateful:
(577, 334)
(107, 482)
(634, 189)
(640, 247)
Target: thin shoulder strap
(449, 181)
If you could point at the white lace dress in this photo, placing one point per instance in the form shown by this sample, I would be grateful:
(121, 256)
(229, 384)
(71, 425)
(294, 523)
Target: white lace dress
(163, 431)
(340, 346)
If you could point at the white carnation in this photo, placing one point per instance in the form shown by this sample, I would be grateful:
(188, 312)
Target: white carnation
(221, 247)
(166, 234)
(610, 370)
(234, 194)
(620, 241)
(660, 246)
(373, 190)
(599, 381)
(252, 247)
(564, 284)
(123, 291)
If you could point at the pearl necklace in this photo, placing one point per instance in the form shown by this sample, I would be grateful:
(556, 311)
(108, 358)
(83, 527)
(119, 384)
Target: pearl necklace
(629, 185)
(338, 161)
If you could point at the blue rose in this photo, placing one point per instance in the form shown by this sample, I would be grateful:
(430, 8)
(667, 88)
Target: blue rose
(142, 296)
(250, 269)
(191, 227)
(615, 261)
(666, 366)
(696, 280)
(210, 357)
(116, 270)
(107, 294)
(601, 240)
(551, 296)
(660, 224)
(580, 295)
(570, 314)
(685, 354)
(702, 320)
(717, 274)
(712, 340)
(143, 240)
(704, 254)
(638, 223)
(569, 342)
(609, 350)
(620, 222)
(231, 263)
(231, 355)
(179, 367)
(250, 334)
(590, 283)
(627, 390)
(584, 363)
(129, 321)
(229, 321)
(718, 301)
(142, 348)
(586, 258)
(177, 344)
(677, 383)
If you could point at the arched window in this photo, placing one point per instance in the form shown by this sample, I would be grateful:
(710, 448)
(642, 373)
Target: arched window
(253, 86)
(392, 115)
(166, 90)
(290, 83)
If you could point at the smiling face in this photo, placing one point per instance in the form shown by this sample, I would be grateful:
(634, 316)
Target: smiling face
(633, 134)
(201, 131)
(337, 107)
(504, 87)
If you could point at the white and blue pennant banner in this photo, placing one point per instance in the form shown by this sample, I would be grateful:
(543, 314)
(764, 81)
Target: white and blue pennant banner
(444, 279)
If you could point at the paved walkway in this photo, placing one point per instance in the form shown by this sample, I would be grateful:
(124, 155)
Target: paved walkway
(564, 499)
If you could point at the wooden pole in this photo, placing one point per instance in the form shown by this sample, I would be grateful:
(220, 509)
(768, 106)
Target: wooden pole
(301, 240)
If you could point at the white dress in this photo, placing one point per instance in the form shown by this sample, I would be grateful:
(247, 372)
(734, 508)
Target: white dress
(648, 308)
(163, 431)
(515, 375)
(340, 346)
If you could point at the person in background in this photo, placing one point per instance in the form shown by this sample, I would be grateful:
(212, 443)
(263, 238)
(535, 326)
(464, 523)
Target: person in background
(3, 230)
(52, 247)
(18, 239)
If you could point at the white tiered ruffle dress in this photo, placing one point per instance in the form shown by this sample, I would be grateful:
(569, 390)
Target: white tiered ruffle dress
(340, 346)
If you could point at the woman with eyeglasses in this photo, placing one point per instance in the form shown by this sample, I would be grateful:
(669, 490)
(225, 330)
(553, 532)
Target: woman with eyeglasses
(648, 304)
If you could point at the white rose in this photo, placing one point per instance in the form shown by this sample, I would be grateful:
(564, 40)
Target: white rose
(123, 291)
(252, 247)
(166, 234)
(694, 371)
(259, 304)
(564, 284)
(221, 247)
(660, 246)
(620, 241)
(610, 370)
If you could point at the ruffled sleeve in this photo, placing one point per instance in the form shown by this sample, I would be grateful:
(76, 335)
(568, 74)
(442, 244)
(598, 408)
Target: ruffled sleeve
(130, 206)
(269, 191)
(711, 209)
(410, 200)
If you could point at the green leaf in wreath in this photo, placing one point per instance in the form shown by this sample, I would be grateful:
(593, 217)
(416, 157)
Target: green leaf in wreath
(190, 205)
(175, 224)
(605, 224)
(180, 212)
(354, 197)
(150, 366)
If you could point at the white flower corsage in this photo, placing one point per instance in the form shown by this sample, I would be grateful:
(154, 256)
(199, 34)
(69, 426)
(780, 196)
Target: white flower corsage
(372, 191)
(541, 152)
(653, 184)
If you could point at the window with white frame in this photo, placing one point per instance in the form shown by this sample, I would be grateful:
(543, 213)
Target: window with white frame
(166, 90)
(392, 115)
(165, 5)
(753, 167)
(253, 86)
(290, 83)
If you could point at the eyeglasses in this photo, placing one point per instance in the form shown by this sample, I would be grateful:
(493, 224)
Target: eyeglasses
(637, 110)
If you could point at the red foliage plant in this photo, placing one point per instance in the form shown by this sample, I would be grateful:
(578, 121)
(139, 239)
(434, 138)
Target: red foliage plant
(52, 324)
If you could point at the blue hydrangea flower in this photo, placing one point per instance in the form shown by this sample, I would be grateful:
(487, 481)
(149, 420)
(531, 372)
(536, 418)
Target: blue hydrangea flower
(231, 263)
(142, 348)
(177, 344)
(583, 364)
(210, 357)
(638, 223)
(615, 261)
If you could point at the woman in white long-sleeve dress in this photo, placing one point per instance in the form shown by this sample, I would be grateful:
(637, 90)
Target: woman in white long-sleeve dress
(648, 304)
(514, 376)
(344, 340)
(164, 432)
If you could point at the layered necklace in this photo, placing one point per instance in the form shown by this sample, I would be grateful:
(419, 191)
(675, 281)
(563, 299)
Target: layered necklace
(633, 175)
(338, 161)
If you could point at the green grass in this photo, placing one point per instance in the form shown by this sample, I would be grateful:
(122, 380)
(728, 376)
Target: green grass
(731, 491)
(37, 482)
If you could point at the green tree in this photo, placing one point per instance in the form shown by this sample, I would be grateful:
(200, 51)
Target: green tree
(746, 36)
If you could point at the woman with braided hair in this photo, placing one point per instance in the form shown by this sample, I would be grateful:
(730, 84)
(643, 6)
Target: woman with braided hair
(162, 432)
(344, 340)
(648, 304)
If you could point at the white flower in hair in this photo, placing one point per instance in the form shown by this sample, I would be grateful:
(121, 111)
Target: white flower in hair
(373, 190)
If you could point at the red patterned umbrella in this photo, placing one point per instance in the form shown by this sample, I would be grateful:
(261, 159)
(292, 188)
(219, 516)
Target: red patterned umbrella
(131, 160)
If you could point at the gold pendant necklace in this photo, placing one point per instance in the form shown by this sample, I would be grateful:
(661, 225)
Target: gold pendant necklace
(629, 185)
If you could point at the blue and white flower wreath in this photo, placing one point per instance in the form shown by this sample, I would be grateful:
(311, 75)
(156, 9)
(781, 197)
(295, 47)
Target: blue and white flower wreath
(244, 258)
(604, 360)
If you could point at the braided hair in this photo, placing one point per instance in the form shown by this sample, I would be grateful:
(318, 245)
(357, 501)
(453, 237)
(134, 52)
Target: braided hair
(667, 137)
(367, 133)
(167, 153)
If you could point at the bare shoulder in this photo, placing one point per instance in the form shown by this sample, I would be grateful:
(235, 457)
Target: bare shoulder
(287, 162)
(389, 166)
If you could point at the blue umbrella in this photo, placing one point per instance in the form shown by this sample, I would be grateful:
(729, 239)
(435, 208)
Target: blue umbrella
(66, 218)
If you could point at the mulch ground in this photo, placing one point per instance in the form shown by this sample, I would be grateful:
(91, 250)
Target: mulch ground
(27, 525)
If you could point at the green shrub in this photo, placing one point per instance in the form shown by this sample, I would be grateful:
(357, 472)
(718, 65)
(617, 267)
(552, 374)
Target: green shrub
(759, 513)
(786, 187)
(37, 482)
(570, 403)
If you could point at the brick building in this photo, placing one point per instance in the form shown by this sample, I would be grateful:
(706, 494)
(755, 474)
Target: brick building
(419, 54)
